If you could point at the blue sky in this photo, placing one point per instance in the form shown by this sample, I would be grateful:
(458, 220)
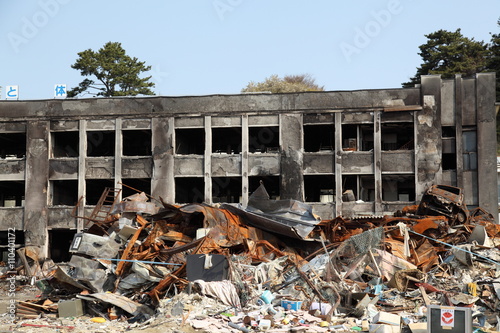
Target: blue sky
(218, 46)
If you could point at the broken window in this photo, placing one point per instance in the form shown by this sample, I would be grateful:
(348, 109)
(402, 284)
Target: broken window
(65, 144)
(469, 147)
(64, 192)
(12, 193)
(226, 189)
(226, 140)
(136, 142)
(12, 145)
(132, 186)
(271, 183)
(357, 137)
(319, 138)
(94, 189)
(357, 187)
(263, 139)
(319, 188)
(189, 189)
(449, 155)
(397, 136)
(100, 143)
(59, 243)
(350, 188)
(190, 141)
(398, 188)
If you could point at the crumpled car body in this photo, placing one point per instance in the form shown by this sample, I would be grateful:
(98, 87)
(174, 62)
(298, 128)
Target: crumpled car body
(444, 200)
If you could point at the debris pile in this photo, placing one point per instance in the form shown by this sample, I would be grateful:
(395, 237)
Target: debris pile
(274, 266)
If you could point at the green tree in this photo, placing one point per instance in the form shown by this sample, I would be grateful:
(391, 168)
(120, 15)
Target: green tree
(494, 60)
(449, 53)
(117, 74)
(289, 83)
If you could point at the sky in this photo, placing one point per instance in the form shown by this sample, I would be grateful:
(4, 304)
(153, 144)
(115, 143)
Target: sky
(204, 47)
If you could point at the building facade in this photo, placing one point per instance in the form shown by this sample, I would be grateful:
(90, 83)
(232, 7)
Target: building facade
(367, 152)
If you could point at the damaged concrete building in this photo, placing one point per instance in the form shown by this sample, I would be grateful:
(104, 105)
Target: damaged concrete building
(347, 153)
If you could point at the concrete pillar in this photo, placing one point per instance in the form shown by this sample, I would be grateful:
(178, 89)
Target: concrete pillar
(244, 159)
(207, 166)
(37, 173)
(163, 181)
(292, 155)
(82, 149)
(458, 130)
(118, 154)
(338, 164)
(377, 160)
(428, 146)
(486, 142)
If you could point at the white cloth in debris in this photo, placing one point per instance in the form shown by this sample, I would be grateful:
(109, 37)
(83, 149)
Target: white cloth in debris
(403, 229)
(223, 290)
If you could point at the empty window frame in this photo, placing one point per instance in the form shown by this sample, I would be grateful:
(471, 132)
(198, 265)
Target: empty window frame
(271, 184)
(358, 187)
(398, 188)
(189, 189)
(397, 136)
(12, 193)
(190, 141)
(263, 139)
(319, 188)
(136, 142)
(131, 186)
(59, 243)
(94, 189)
(357, 137)
(64, 192)
(100, 143)
(65, 144)
(449, 155)
(226, 189)
(319, 138)
(12, 145)
(226, 140)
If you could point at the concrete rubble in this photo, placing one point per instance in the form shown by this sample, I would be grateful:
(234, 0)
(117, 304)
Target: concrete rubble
(272, 266)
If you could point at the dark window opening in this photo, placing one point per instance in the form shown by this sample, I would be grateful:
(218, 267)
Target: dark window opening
(189, 189)
(349, 188)
(136, 142)
(398, 188)
(449, 161)
(398, 136)
(64, 192)
(319, 188)
(263, 139)
(448, 132)
(319, 138)
(133, 186)
(226, 189)
(367, 188)
(59, 244)
(190, 141)
(271, 183)
(65, 144)
(94, 189)
(12, 193)
(226, 140)
(6, 238)
(357, 137)
(101, 143)
(12, 145)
